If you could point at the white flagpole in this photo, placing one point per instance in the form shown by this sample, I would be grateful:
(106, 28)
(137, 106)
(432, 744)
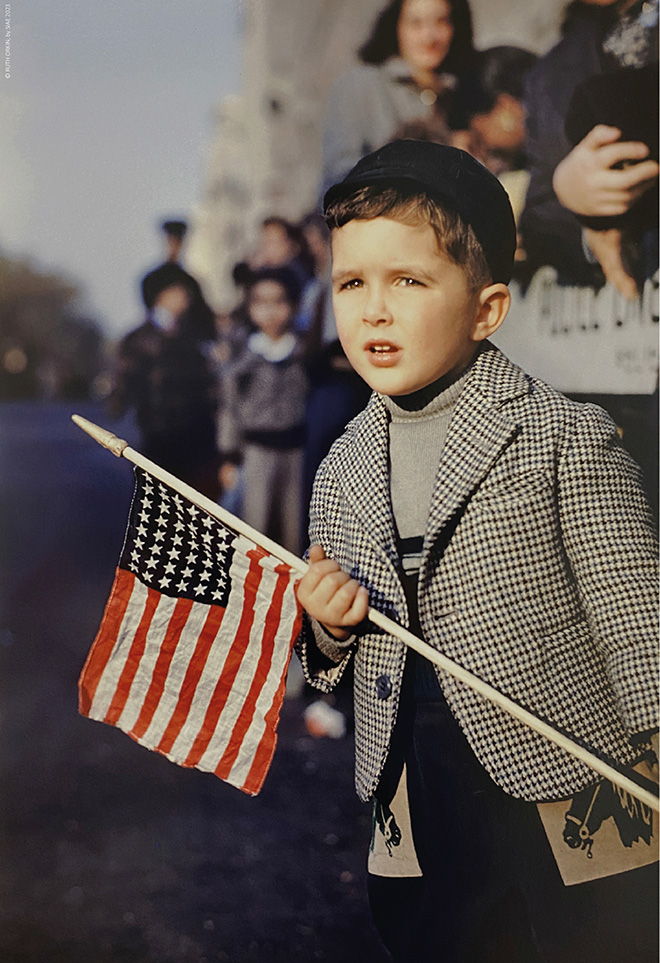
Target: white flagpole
(121, 448)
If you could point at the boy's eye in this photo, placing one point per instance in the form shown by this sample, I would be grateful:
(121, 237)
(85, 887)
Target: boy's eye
(409, 282)
(348, 285)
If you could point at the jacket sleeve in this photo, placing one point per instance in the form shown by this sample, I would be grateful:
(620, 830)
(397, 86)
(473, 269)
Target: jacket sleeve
(609, 535)
(323, 658)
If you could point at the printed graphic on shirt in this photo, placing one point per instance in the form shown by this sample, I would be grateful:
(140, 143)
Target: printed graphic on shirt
(601, 831)
(392, 850)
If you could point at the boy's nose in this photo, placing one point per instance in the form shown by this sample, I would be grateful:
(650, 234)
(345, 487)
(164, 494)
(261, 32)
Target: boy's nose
(375, 309)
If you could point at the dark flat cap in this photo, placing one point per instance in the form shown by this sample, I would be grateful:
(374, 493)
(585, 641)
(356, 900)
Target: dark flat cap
(451, 177)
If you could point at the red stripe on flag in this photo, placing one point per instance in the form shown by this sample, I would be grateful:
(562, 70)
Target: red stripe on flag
(233, 661)
(106, 639)
(175, 627)
(266, 750)
(260, 676)
(192, 677)
(133, 660)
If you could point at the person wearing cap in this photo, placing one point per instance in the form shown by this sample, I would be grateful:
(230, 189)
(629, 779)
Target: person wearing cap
(506, 526)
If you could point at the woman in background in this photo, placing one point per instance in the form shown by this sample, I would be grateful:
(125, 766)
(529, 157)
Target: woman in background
(410, 66)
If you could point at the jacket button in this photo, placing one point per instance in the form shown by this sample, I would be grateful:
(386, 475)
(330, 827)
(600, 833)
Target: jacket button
(383, 687)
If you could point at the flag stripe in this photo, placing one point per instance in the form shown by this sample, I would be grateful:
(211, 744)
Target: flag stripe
(233, 661)
(106, 639)
(266, 748)
(154, 693)
(260, 677)
(243, 680)
(132, 663)
(174, 680)
(108, 681)
(191, 680)
(268, 696)
(220, 648)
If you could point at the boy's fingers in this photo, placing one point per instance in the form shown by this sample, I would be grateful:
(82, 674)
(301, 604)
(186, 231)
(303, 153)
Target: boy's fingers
(322, 581)
(316, 553)
(348, 605)
(360, 606)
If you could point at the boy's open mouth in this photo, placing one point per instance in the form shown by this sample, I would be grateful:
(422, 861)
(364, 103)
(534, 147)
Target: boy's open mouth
(383, 352)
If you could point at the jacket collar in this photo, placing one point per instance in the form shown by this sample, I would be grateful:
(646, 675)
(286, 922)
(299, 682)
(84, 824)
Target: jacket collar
(480, 429)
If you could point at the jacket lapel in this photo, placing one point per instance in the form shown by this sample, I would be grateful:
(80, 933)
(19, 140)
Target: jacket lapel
(479, 431)
(364, 468)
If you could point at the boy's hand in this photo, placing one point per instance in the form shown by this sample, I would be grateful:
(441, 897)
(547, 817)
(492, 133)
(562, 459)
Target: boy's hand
(331, 596)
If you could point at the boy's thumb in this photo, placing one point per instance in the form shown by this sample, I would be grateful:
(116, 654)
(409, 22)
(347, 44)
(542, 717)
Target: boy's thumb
(316, 553)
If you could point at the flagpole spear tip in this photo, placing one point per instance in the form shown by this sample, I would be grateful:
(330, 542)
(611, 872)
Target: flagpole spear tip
(101, 435)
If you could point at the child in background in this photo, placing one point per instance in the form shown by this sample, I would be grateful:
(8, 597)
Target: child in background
(506, 526)
(261, 425)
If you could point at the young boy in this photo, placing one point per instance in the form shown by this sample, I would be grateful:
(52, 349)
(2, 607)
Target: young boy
(507, 527)
(262, 417)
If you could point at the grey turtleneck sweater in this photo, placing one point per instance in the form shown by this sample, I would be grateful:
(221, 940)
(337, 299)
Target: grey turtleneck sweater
(417, 439)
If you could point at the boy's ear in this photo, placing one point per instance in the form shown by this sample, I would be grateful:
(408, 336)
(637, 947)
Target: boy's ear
(494, 303)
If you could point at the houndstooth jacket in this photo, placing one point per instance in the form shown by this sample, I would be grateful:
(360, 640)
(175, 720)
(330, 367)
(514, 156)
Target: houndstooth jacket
(538, 575)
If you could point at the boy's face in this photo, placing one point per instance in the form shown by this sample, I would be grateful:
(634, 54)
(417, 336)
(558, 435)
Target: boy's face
(405, 315)
(270, 308)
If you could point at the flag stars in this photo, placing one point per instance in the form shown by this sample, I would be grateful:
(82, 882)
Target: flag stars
(207, 538)
(165, 582)
(200, 589)
(207, 521)
(152, 563)
(177, 540)
(182, 586)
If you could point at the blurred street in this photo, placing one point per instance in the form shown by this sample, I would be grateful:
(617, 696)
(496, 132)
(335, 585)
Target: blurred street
(110, 853)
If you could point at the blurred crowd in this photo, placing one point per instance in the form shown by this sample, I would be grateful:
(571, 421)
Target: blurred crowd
(244, 406)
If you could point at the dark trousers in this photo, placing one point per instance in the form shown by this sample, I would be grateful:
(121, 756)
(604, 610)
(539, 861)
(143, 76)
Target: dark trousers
(491, 892)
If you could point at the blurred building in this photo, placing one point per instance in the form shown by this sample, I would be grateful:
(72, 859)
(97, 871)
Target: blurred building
(264, 151)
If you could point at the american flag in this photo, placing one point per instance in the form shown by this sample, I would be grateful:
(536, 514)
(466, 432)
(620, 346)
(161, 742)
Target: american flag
(193, 649)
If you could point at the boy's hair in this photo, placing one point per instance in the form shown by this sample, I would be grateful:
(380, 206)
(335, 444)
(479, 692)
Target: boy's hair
(454, 235)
